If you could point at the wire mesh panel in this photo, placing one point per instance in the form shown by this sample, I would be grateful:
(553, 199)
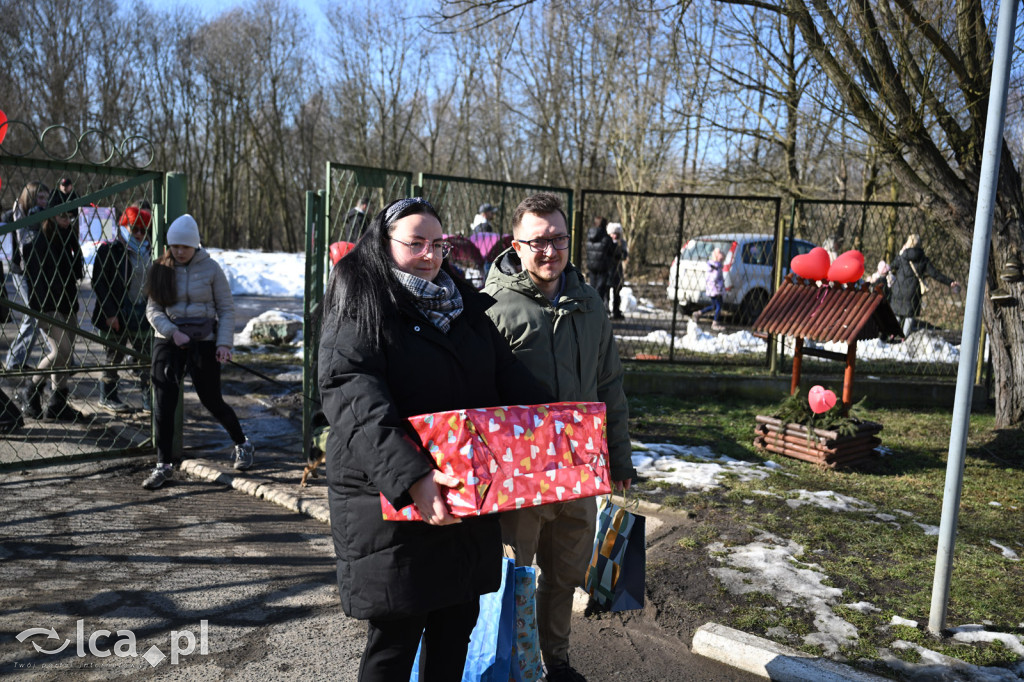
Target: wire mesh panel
(669, 238)
(74, 342)
(921, 255)
(356, 193)
(459, 202)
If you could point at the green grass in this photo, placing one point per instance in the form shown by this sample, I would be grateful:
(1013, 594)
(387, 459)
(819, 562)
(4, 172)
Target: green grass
(890, 564)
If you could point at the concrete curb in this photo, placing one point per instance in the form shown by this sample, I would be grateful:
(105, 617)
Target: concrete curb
(257, 487)
(769, 659)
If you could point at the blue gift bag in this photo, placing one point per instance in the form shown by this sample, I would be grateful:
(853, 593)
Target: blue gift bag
(527, 666)
(492, 644)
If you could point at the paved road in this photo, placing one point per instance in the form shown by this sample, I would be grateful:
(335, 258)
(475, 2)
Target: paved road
(215, 557)
(85, 544)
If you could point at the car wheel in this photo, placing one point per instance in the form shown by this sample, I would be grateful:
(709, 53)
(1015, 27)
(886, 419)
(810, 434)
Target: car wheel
(751, 306)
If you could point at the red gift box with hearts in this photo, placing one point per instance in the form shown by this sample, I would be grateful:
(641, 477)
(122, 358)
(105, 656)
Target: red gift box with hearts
(514, 456)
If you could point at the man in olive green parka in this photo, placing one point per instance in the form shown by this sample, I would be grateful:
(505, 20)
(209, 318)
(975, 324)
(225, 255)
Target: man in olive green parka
(558, 327)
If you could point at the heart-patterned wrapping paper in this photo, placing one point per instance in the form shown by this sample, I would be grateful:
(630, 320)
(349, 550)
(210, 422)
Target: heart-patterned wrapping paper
(514, 456)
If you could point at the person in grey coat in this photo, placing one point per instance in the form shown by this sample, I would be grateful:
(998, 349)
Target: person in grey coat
(193, 317)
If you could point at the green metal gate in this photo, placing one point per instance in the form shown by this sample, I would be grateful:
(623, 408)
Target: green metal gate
(99, 193)
(456, 200)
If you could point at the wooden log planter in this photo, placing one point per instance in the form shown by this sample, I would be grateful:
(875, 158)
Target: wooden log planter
(823, 447)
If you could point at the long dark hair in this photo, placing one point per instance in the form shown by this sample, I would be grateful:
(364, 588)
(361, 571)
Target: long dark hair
(362, 286)
(161, 284)
(27, 198)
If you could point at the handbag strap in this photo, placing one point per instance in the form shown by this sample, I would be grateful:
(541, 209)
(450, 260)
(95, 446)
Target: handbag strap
(629, 502)
(914, 270)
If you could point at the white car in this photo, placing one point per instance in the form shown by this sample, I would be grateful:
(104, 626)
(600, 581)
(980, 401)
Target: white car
(747, 269)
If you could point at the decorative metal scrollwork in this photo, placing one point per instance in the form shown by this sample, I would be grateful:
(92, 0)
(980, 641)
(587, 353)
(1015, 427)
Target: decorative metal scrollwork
(59, 143)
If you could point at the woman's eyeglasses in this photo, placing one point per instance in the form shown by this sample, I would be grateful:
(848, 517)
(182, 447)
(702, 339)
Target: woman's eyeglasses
(419, 247)
(560, 243)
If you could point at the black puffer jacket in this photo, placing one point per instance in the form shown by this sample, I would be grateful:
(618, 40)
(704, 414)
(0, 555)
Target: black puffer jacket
(397, 568)
(905, 298)
(600, 250)
(53, 267)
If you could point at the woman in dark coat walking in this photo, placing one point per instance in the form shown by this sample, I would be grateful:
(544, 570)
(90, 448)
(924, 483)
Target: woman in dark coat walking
(53, 268)
(403, 336)
(908, 271)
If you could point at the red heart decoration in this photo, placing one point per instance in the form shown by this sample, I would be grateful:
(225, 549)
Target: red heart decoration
(820, 399)
(847, 267)
(813, 265)
(3, 126)
(339, 250)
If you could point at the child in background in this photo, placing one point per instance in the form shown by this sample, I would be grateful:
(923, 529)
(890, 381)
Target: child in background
(714, 287)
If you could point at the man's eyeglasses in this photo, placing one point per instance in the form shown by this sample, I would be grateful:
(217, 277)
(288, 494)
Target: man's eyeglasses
(540, 245)
(419, 247)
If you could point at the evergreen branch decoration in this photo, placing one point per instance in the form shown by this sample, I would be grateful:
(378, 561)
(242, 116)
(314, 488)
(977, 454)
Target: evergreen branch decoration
(794, 409)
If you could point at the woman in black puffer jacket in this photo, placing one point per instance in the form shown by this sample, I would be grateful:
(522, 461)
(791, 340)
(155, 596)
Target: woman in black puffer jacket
(402, 336)
(53, 267)
(909, 271)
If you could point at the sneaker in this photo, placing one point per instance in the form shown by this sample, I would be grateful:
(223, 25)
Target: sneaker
(243, 455)
(717, 326)
(695, 316)
(160, 474)
(113, 404)
(563, 672)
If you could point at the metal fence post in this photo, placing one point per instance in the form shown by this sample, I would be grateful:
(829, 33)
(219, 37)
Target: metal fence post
(313, 303)
(176, 206)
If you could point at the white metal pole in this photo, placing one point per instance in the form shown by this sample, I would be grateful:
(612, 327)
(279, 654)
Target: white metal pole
(987, 184)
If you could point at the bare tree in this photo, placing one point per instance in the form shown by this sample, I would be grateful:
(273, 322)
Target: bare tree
(916, 79)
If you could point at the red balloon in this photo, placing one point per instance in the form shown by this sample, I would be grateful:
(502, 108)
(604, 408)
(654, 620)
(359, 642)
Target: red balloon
(3, 126)
(820, 399)
(339, 250)
(813, 265)
(847, 267)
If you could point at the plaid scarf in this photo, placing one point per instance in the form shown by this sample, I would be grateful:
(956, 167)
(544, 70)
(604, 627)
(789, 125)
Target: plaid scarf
(440, 302)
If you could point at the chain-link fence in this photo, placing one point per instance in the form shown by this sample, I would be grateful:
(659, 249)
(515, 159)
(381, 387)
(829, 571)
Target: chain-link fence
(884, 233)
(355, 194)
(479, 236)
(74, 342)
(669, 239)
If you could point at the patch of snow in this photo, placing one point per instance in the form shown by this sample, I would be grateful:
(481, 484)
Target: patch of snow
(928, 530)
(663, 462)
(936, 666)
(1007, 552)
(770, 565)
(863, 607)
(264, 274)
(897, 620)
(829, 500)
(976, 633)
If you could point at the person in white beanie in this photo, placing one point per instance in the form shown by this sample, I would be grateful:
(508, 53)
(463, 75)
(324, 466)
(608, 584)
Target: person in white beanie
(193, 315)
